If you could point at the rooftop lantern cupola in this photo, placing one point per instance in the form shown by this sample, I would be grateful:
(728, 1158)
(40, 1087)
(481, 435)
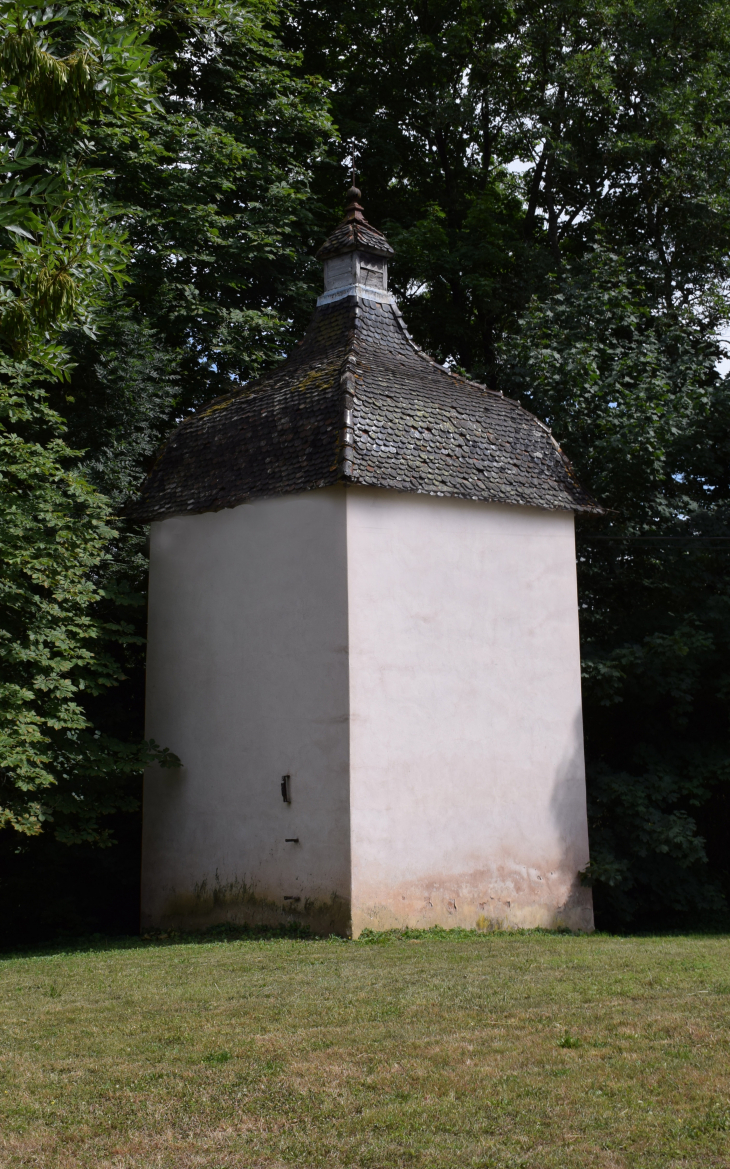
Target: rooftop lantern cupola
(355, 257)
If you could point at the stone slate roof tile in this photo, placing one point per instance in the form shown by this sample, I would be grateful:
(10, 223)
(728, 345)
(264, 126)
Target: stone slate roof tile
(358, 402)
(353, 237)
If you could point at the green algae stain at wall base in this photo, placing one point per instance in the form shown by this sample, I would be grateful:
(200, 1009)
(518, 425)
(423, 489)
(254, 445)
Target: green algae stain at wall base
(213, 903)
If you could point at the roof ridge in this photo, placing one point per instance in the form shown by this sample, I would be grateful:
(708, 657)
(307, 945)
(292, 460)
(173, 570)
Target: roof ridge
(346, 384)
(346, 437)
(425, 356)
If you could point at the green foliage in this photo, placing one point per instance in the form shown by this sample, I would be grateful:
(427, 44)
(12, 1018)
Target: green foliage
(108, 64)
(61, 250)
(54, 530)
(59, 247)
(569, 1041)
(618, 381)
(216, 191)
(54, 534)
(506, 133)
(59, 254)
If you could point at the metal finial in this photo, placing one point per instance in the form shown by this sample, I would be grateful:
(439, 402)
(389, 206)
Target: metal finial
(352, 168)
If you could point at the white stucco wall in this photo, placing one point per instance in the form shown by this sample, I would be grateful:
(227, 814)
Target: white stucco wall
(247, 681)
(412, 662)
(466, 748)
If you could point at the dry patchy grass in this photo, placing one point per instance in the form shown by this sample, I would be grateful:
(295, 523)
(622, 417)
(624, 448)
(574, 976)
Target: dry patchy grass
(532, 1050)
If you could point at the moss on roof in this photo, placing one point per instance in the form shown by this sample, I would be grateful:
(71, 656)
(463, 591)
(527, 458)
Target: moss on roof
(358, 402)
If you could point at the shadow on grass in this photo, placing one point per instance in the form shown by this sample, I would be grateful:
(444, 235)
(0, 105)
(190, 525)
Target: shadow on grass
(228, 932)
(223, 933)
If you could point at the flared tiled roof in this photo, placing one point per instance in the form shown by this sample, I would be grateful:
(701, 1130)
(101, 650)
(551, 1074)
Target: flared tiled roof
(358, 402)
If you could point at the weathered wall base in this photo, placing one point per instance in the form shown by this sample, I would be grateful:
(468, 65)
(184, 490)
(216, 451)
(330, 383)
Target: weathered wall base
(211, 903)
(478, 901)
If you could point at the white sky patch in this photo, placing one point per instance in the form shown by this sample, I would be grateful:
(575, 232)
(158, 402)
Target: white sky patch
(723, 365)
(416, 288)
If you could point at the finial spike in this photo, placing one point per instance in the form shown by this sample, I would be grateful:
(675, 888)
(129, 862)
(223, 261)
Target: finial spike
(353, 163)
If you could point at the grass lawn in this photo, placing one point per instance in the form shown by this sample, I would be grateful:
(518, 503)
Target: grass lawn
(450, 1050)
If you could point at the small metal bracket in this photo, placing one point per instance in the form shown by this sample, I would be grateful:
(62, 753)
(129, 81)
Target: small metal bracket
(286, 788)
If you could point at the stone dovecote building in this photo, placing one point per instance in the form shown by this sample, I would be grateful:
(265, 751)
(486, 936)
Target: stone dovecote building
(363, 641)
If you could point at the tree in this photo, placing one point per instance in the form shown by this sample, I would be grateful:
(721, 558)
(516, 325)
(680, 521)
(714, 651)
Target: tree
(60, 251)
(495, 139)
(215, 189)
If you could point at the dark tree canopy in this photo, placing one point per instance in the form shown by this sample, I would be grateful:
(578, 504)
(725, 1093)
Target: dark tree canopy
(495, 139)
